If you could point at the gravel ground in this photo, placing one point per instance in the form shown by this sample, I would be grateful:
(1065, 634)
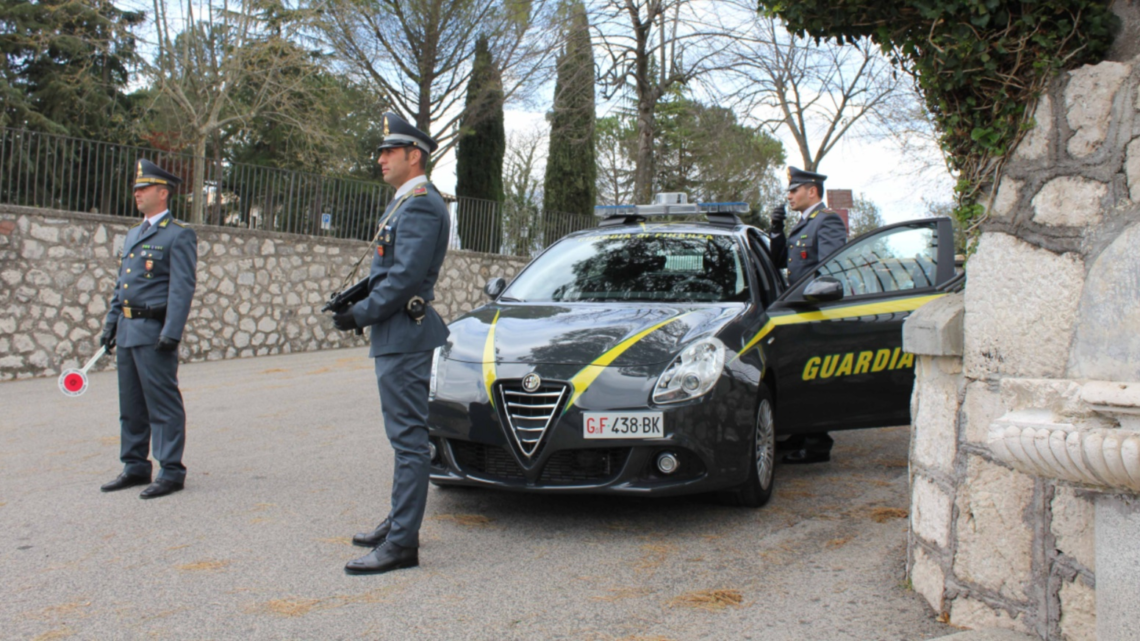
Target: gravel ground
(287, 458)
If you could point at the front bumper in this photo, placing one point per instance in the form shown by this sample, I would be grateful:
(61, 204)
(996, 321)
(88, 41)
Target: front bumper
(711, 436)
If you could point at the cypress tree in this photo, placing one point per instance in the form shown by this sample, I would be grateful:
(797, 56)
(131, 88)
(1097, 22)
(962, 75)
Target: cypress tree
(479, 157)
(571, 169)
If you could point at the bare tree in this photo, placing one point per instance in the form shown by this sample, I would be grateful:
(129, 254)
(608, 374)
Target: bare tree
(416, 54)
(615, 171)
(221, 63)
(523, 165)
(864, 216)
(652, 46)
(819, 92)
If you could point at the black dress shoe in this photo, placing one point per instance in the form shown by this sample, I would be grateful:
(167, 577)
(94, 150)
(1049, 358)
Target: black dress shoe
(161, 487)
(124, 480)
(385, 558)
(804, 457)
(375, 537)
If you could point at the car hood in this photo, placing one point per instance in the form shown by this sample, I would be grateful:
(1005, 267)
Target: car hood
(583, 333)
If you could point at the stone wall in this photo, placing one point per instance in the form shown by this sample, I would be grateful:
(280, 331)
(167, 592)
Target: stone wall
(258, 292)
(1017, 447)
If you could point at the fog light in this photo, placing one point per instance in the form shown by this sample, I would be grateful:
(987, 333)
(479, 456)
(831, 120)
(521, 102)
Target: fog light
(667, 462)
(433, 452)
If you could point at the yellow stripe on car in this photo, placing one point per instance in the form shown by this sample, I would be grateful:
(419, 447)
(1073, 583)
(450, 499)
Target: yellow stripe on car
(586, 376)
(489, 358)
(835, 313)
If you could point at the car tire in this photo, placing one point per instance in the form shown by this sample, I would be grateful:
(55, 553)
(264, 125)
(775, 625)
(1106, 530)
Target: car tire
(757, 490)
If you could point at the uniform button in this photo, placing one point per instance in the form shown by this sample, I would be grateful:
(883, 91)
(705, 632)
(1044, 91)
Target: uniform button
(128, 271)
(132, 255)
(126, 302)
(125, 285)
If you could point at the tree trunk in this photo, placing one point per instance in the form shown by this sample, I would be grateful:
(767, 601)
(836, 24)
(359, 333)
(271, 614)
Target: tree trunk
(198, 191)
(643, 174)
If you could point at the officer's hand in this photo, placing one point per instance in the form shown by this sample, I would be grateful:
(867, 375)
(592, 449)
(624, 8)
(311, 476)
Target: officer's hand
(107, 340)
(166, 345)
(345, 321)
(778, 215)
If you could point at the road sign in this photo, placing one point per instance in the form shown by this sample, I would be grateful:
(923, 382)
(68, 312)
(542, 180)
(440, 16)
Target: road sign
(326, 221)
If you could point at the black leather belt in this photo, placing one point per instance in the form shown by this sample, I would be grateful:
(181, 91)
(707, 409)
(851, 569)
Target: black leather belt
(157, 313)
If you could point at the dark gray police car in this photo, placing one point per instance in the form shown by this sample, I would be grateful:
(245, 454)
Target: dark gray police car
(661, 353)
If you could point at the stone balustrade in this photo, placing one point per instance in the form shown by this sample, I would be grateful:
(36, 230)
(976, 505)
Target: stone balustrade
(1095, 444)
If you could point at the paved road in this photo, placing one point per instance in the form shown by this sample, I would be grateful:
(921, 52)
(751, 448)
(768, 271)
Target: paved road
(287, 459)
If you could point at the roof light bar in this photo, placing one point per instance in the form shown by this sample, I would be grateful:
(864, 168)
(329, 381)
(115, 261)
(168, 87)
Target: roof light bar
(609, 211)
(724, 208)
(670, 204)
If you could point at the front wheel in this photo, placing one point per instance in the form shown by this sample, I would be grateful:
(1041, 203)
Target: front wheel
(757, 490)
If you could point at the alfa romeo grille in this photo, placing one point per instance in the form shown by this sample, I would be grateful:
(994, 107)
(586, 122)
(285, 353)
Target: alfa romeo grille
(529, 414)
(490, 460)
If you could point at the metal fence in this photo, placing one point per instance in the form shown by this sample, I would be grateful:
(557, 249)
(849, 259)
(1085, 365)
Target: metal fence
(59, 172)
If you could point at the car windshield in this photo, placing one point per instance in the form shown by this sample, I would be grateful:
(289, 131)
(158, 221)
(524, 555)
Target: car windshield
(650, 266)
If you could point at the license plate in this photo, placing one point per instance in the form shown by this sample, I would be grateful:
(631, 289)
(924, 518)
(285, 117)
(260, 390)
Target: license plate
(598, 425)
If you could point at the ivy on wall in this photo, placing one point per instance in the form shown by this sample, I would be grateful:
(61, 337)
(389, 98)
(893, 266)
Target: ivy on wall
(980, 65)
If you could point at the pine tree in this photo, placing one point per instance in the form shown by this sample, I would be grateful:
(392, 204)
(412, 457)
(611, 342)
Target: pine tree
(571, 169)
(65, 66)
(479, 157)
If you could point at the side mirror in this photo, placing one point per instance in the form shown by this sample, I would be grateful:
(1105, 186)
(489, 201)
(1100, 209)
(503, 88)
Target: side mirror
(824, 289)
(494, 287)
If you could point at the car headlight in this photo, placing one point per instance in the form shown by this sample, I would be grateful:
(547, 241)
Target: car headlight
(434, 372)
(693, 373)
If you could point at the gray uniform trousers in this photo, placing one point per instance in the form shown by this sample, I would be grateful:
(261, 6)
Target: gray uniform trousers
(403, 381)
(150, 408)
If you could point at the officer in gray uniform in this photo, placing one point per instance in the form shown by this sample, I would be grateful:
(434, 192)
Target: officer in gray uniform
(410, 245)
(819, 232)
(148, 312)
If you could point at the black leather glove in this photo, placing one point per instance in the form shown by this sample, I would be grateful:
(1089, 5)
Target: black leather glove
(107, 340)
(345, 321)
(165, 344)
(778, 214)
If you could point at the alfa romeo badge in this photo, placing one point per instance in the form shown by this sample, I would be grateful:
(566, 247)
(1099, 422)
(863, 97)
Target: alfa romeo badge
(531, 382)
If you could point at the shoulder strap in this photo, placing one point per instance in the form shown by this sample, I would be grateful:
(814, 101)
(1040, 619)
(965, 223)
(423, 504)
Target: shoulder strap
(379, 229)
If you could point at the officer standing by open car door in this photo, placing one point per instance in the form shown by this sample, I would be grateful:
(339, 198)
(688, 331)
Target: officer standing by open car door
(148, 312)
(819, 232)
(409, 249)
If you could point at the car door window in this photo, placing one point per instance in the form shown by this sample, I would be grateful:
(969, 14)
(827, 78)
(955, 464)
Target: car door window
(773, 283)
(901, 259)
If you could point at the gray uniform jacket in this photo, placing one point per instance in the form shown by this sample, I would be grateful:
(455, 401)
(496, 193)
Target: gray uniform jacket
(406, 262)
(812, 239)
(157, 269)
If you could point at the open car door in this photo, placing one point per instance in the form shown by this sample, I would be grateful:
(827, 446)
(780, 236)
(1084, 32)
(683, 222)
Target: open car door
(836, 340)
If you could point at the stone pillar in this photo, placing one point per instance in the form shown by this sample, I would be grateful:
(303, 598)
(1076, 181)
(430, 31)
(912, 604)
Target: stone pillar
(934, 334)
(1045, 476)
(1118, 556)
